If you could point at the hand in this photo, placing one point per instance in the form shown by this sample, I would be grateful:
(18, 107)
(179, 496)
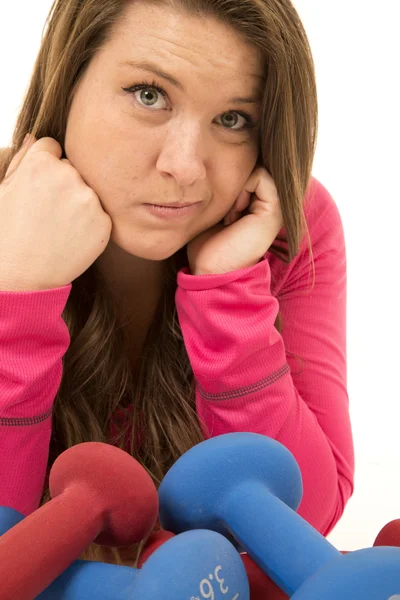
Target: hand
(243, 239)
(52, 225)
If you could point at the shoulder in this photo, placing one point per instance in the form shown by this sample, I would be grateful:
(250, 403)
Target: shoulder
(319, 204)
(327, 243)
(323, 220)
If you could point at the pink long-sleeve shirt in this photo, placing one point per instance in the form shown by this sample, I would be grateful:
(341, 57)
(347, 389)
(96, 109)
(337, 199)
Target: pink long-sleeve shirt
(246, 380)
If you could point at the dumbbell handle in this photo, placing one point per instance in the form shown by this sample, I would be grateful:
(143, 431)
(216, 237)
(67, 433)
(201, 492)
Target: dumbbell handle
(278, 547)
(86, 580)
(70, 517)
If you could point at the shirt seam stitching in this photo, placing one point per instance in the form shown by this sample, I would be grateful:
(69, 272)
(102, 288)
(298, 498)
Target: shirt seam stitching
(23, 421)
(246, 390)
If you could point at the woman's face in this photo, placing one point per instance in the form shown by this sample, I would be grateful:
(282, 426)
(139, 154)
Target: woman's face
(188, 144)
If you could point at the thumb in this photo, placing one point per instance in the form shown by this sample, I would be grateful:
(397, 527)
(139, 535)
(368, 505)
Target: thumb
(27, 144)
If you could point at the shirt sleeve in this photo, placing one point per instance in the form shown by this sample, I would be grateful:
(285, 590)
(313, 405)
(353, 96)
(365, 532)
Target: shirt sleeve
(247, 378)
(33, 340)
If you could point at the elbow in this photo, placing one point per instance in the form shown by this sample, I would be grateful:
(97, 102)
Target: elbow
(344, 493)
(322, 506)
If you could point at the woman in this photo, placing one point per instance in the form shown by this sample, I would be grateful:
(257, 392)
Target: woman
(127, 320)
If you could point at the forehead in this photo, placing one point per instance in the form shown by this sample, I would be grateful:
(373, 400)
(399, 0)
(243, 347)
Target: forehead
(204, 45)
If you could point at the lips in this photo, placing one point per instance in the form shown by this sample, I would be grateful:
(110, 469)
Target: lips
(168, 212)
(175, 205)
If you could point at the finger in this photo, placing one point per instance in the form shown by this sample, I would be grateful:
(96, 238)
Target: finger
(49, 145)
(242, 201)
(260, 184)
(20, 155)
(232, 217)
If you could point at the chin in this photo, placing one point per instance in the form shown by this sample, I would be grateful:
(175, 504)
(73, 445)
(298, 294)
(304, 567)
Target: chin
(156, 252)
(154, 255)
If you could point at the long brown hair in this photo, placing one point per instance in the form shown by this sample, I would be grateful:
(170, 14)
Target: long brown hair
(97, 376)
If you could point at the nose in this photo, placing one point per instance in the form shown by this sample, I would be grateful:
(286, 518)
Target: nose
(182, 153)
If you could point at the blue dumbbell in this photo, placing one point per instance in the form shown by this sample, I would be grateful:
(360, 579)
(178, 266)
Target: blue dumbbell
(195, 564)
(368, 574)
(247, 486)
(8, 518)
(84, 580)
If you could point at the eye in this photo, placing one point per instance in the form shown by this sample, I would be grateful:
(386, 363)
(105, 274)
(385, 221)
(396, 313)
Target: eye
(149, 92)
(149, 98)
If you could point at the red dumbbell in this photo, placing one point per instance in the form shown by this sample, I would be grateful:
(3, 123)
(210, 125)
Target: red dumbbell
(156, 539)
(389, 535)
(99, 494)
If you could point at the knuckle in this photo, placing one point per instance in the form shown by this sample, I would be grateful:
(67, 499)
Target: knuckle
(89, 197)
(37, 162)
(38, 158)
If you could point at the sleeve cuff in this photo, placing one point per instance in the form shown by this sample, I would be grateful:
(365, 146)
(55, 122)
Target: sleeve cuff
(187, 281)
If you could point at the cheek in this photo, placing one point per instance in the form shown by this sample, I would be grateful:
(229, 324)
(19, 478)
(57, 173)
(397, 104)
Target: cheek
(92, 127)
(226, 192)
(109, 174)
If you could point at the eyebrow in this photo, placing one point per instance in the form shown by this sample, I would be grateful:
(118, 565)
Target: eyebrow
(153, 68)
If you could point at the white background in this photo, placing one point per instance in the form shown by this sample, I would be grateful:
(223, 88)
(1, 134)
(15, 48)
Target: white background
(356, 50)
